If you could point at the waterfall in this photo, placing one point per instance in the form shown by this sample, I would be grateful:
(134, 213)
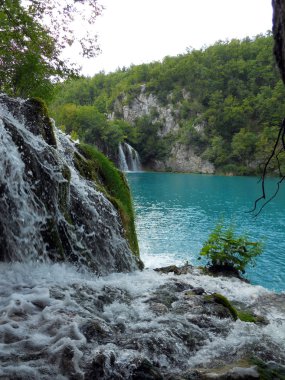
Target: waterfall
(129, 159)
(48, 209)
(122, 160)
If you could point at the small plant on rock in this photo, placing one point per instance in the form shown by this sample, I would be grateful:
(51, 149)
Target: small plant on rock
(227, 252)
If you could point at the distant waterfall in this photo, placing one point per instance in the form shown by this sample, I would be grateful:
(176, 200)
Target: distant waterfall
(129, 159)
(122, 159)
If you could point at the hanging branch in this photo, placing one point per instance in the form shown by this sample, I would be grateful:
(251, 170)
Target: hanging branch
(280, 139)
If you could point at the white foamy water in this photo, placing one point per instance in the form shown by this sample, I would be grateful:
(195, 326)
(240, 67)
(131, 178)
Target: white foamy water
(24, 228)
(55, 322)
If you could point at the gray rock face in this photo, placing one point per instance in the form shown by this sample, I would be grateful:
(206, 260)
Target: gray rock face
(144, 105)
(48, 210)
(183, 159)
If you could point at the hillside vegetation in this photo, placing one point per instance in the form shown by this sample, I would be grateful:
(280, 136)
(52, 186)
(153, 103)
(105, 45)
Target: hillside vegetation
(226, 101)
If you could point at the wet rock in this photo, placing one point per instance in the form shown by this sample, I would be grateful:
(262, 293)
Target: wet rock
(198, 291)
(103, 367)
(163, 297)
(158, 308)
(236, 373)
(146, 371)
(181, 286)
(174, 269)
(96, 330)
(111, 294)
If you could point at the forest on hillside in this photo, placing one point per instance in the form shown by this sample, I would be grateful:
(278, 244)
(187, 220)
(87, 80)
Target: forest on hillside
(228, 100)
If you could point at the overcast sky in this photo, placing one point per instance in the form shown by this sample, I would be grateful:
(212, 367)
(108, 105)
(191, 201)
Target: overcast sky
(141, 31)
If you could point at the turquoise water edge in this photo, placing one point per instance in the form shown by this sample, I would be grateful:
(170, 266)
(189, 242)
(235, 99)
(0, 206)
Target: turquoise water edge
(176, 212)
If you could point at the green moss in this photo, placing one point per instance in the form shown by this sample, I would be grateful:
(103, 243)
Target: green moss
(242, 315)
(268, 371)
(112, 183)
(246, 316)
(85, 167)
(222, 300)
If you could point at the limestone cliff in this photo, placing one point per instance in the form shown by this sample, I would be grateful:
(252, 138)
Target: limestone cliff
(182, 158)
(146, 104)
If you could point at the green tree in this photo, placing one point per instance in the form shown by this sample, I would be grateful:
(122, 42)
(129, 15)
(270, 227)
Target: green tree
(149, 146)
(33, 35)
(243, 145)
(26, 51)
(217, 152)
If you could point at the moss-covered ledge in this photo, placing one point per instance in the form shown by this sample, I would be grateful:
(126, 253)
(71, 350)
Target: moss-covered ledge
(243, 315)
(95, 166)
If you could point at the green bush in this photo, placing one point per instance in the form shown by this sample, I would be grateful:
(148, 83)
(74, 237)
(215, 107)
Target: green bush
(226, 251)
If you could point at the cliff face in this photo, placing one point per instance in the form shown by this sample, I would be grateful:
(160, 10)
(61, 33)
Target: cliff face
(55, 200)
(182, 158)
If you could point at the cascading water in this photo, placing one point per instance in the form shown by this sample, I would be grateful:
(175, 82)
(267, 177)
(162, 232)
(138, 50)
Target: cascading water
(122, 159)
(22, 216)
(62, 324)
(48, 209)
(129, 159)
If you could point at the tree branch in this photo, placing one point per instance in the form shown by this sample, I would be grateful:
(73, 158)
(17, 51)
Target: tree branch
(280, 139)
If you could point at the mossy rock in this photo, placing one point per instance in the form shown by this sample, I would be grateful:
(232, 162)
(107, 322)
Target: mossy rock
(269, 371)
(222, 300)
(242, 315)
(38, 120)
(85, 167)
(96, 167)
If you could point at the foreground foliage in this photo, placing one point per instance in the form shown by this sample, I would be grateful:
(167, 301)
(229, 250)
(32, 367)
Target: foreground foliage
(228, 252)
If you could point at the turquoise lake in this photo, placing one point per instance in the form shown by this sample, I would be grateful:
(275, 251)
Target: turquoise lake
(176, 212)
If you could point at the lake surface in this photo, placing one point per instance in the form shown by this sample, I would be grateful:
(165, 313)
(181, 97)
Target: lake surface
(176, 212)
